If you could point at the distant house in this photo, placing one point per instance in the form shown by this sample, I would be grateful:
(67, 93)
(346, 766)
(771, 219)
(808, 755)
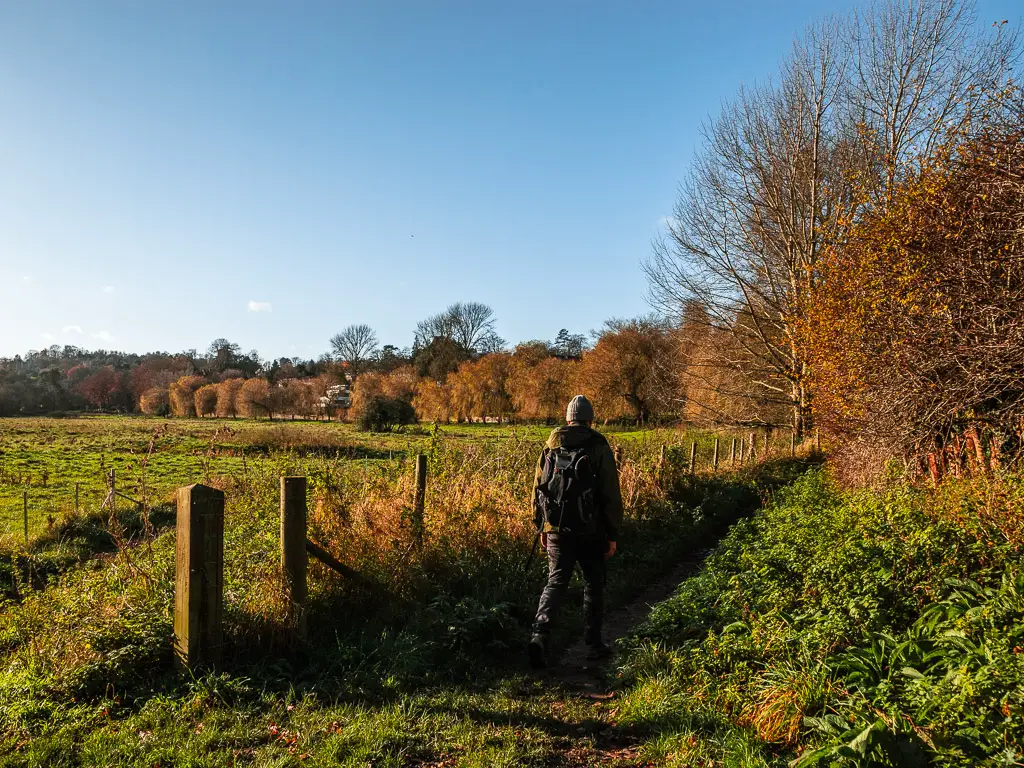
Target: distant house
(338, 396)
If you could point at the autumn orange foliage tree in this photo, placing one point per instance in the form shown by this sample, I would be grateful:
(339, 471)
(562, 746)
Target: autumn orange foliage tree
(631, 371)
(182, 395)
(432, 401)
(227, 396)
(915, 334)
(155, 401)
(489, 385)
(206, 400)
(253, 399)
(539, 385)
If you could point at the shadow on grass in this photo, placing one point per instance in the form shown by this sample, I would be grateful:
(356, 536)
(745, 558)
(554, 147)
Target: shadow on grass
(333, 452)
(74, 540)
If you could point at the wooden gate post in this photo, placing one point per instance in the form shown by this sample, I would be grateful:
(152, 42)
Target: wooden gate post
(714, 457)
(419, 505)
(293, 550)
(199, 576)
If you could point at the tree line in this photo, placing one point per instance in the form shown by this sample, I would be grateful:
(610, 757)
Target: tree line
(458, 369)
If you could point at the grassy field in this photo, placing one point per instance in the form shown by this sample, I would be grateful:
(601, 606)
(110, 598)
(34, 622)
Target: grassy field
(47, 458)
(151, 457)
(431, 674)
(828, 627)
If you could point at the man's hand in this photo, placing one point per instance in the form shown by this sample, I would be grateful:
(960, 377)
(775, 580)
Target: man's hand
(610, 551)
(544, 541)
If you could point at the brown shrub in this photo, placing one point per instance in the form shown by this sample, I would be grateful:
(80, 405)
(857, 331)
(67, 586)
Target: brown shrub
(253, 399)
(155, 401)
(227, 395)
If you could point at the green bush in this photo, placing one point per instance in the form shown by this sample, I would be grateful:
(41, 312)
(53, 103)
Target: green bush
(383, 414)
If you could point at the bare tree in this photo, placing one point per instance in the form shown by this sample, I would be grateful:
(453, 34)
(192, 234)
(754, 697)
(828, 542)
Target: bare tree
(753, 215)
(472, 325)
(439, 326)
(921, 72)
(356, 346)
(782, 172)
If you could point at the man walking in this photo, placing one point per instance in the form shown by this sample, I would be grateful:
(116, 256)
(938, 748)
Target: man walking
(578, 510)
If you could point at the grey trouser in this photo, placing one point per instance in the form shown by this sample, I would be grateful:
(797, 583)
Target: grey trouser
(564, 552)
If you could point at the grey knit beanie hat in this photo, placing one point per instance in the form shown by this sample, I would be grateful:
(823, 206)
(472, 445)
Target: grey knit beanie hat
(579, 409)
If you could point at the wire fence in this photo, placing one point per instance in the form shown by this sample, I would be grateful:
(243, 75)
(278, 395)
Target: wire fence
(31, 504)
(36, 508)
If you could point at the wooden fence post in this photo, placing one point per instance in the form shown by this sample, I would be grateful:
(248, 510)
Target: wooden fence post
(293, 550)
(753, 446)
(111, 498)
(693, 457)
(714, 457)
(743, 446)
(732, 454)
(199, 576)
(419, 505)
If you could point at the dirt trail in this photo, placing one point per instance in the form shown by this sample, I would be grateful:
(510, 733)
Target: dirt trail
(579, 678)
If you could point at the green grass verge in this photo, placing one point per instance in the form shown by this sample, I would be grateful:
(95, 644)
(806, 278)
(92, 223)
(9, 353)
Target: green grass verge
(855, 629)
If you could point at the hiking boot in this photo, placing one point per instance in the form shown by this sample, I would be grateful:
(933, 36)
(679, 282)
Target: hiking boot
(597, 651)
(537, 651)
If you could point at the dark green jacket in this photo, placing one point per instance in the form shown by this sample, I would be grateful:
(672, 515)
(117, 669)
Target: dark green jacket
(606, 476)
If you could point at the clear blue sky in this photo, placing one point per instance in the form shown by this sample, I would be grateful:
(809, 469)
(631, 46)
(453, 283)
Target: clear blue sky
(272, 172)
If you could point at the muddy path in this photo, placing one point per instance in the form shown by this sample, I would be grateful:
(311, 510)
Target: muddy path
(575, 677)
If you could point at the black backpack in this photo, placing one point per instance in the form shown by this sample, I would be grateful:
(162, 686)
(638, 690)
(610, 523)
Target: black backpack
(565, 494)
